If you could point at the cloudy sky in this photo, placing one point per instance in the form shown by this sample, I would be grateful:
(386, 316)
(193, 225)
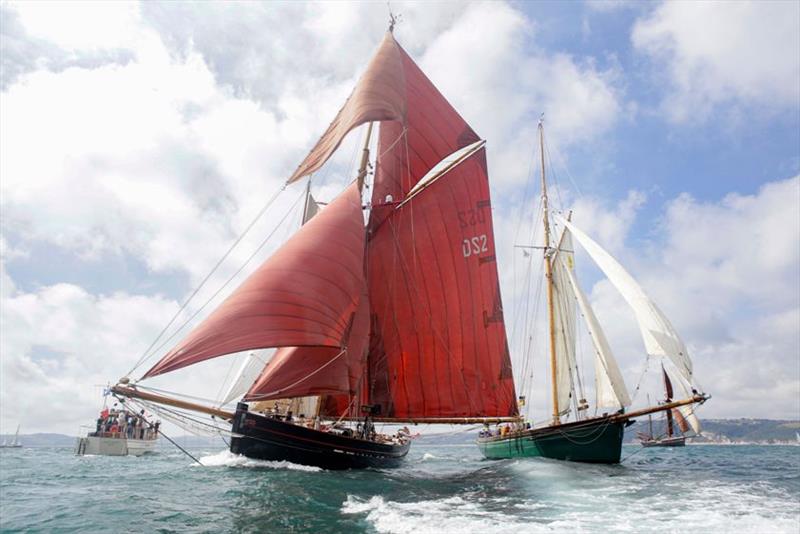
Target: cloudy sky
(137, 141)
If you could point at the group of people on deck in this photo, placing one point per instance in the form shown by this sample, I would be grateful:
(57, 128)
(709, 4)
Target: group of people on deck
(503, 430)
(365, 430)
(121, 423)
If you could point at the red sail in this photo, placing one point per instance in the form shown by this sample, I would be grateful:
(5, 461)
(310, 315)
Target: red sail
(301, 371)
(438, 346)
(321, 370)
(667, 385)
(424, 130)
(304, 295)
(407, 151)
(378, 96)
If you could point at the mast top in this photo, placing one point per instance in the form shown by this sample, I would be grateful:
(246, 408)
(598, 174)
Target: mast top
(393, 19)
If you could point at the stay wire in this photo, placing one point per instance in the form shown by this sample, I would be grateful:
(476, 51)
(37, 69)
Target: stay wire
(147, 353)
(231, 278)
(184, 451)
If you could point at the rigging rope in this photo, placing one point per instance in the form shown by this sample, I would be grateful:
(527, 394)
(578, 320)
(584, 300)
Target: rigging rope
(309, 375)
(184, 451)
(238, 240)
(224, 285)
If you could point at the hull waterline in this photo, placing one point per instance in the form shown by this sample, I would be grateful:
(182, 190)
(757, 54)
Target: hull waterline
(594, 441)
(679, 441)
(267, 438)
(106, 446)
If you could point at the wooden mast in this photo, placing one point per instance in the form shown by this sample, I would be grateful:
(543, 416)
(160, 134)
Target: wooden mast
(548, 263)
(362, 170)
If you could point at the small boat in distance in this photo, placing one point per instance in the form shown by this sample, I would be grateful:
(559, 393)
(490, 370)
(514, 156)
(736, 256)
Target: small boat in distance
(119, 432)
(670, 438)
(15, 444)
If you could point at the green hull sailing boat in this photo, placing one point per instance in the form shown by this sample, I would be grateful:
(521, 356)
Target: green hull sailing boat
(571, 434)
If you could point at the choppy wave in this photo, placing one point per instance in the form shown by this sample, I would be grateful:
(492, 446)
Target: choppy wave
(439, 490)
(226, 458)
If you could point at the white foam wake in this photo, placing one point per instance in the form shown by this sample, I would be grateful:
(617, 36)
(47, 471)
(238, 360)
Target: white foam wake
(226, 458)
(452, 514)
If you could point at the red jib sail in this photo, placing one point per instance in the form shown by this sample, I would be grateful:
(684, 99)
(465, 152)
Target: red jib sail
(301, 371)
(305, 294)
(438, 345)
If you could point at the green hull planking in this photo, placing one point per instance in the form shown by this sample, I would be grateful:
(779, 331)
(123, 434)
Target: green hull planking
(597, 441)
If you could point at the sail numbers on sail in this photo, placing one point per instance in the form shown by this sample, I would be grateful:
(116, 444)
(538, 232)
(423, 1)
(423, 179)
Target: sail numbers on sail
(474, 245)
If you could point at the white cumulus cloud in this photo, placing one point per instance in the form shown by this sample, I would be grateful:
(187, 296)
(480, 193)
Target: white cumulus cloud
(741, 55)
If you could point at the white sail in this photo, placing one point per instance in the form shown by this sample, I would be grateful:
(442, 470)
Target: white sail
(311, 207)
(248, 372)
(564, 316)
(609, 385)
(660, 338)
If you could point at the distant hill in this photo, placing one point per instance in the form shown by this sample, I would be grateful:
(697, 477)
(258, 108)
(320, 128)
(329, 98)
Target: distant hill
(732, 430)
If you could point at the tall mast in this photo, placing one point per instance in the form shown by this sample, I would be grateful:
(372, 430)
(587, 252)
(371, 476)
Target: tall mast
(362, 170)
(548, 263)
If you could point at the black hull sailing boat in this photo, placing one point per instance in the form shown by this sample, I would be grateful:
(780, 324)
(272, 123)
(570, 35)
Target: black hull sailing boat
(396, 320)
(268, 438)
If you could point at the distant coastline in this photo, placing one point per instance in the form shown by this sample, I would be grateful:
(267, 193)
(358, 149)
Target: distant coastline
(715, 432)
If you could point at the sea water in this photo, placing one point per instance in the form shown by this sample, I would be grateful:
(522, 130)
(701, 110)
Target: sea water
(441, 489)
